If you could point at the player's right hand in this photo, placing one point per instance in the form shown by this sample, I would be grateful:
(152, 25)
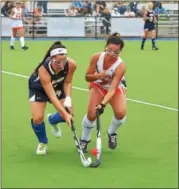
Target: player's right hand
(68, 118)
(103, 75)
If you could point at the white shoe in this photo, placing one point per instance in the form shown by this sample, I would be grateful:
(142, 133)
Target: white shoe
(41, 149)
(55, 129)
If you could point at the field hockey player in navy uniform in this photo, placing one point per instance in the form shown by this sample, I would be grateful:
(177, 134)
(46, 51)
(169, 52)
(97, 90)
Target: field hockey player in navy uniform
(51, 82)
(149, 26)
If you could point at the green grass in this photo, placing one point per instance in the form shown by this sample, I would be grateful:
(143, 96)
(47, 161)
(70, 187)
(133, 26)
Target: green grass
(147, 154)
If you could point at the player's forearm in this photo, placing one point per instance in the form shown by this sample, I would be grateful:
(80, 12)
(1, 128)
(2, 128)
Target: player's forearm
(108, 96)
(92, 77)
(58, 105)
(67, 89)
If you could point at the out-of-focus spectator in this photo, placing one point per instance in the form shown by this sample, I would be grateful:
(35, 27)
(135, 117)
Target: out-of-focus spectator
(44, 5)
(121, 7)
(115, 12)
(133, 6)
(38, 15)
(106, 15)
(78, 6)
(140, 13)
(87, 6)
(100, 6)
(6, 9)
(25, 9)
(159, 9)
(72, 11)
(129, 13)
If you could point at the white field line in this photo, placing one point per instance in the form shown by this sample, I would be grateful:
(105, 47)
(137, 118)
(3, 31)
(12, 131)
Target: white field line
(81, 89)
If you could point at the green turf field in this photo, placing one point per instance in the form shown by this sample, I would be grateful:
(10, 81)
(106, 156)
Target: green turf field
(147, 156)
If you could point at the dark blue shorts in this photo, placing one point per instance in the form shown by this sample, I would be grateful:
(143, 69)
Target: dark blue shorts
(149, 26)
(38, 96)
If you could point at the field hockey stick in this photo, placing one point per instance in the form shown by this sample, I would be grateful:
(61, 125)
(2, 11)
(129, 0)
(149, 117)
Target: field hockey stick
(84, 161)
(98, 142)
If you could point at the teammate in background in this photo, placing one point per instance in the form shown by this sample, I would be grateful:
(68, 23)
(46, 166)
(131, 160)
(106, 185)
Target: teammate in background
(51, 82)
(149, 26)
(17, 15)
(107, 85)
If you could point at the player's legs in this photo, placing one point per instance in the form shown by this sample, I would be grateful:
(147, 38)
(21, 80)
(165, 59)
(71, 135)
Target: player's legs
(153, 38)
(95, 98)
(38, 125)
(144, 38)
(54, 120)
(22, 40)
(13, 38)
(118, 104)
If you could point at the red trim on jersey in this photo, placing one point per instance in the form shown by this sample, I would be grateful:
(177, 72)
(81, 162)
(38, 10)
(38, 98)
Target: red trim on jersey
(119, 90)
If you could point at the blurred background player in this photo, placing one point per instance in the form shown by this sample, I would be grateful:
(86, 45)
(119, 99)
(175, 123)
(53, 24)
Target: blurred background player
(51, 82)
(17, 15)
(149, 26)
(107, 85)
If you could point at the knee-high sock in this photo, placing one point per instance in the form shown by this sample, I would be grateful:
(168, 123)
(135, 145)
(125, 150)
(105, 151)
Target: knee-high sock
(115, 124)
(12, 41)
(40, 132)
(87, 127)
(55, 118)
(143, 42)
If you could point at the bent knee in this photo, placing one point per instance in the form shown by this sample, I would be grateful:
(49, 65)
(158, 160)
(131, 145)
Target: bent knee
(38, 119)
(91, 115)
(120, 114)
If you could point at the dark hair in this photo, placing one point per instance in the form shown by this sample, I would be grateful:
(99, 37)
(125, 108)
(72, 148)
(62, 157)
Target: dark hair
(55, 45)
(115, 39)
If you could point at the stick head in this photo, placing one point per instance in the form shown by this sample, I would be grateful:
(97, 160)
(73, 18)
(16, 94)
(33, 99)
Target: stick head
(88, 162)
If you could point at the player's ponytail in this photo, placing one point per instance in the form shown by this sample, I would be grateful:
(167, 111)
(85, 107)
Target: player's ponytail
(115, 39)
(56, 44)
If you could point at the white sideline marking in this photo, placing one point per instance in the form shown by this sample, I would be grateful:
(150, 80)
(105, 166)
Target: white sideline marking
(81, 89)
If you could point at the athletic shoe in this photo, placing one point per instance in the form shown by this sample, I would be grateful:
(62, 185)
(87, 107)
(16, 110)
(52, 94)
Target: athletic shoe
(84, 145)
(154, 48)
(41, 149)
(112, 141)
(25, 48)
(12, 47)
(55, 129)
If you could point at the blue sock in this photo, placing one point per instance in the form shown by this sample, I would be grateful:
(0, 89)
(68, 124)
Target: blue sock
(55, 118)
(40, 132)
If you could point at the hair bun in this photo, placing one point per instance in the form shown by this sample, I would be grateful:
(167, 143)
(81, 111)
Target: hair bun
(57, 43)
(116, 34)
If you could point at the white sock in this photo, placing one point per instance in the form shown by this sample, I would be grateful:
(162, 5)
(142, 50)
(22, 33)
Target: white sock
(87, 127)
(22, 41)
(12, 41)
(115, 124)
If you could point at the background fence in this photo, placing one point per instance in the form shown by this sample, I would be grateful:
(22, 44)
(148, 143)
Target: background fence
(67, 19)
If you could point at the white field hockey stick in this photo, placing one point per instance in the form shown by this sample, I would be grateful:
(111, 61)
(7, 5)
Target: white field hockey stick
(98, 142)
(84, 161)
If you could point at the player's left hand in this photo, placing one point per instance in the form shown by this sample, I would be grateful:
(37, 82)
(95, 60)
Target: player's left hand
(100, 108)
(67, 102)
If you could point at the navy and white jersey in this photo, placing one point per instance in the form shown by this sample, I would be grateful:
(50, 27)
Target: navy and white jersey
(151, 16)
(149, 23)
(37, 92)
